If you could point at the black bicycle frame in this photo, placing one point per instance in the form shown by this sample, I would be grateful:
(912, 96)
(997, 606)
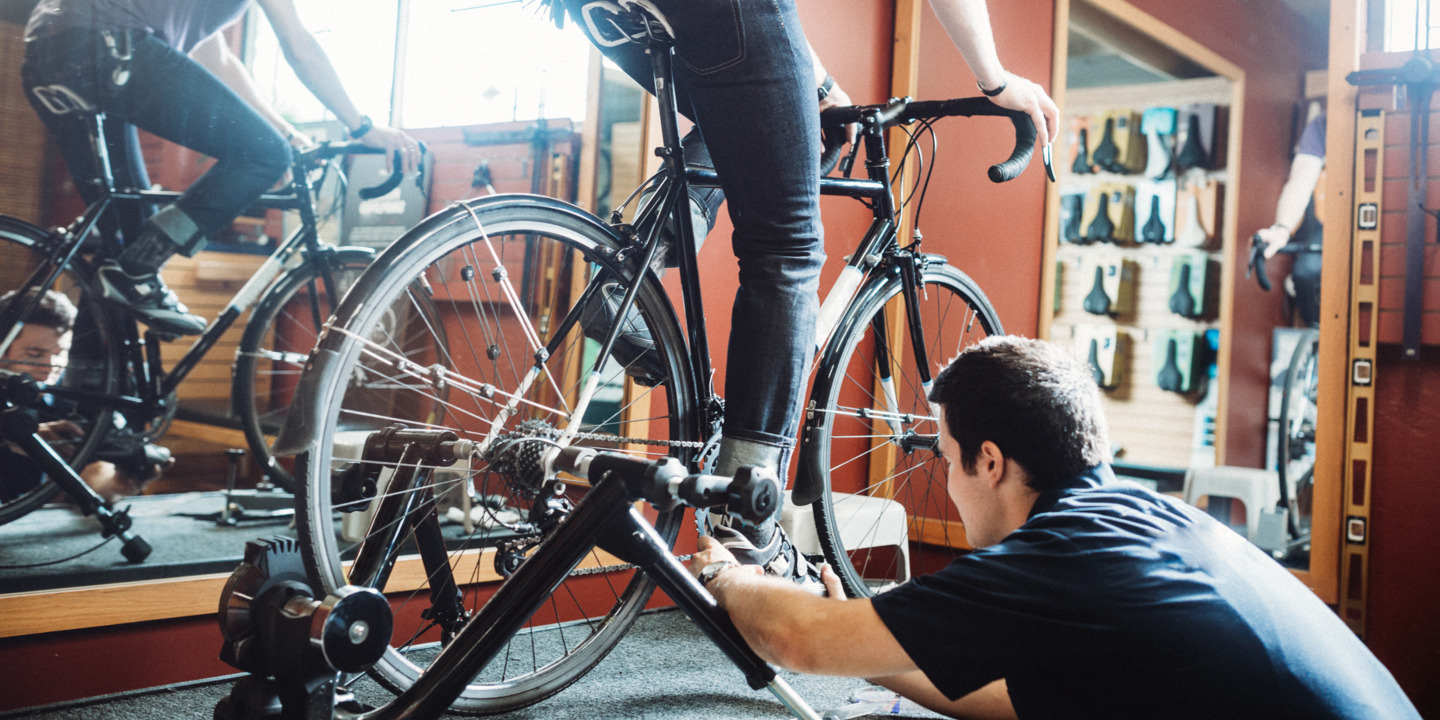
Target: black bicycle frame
(154, 385)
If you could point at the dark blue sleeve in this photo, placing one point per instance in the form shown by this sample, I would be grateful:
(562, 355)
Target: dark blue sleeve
(995, 610)
(1312, 141)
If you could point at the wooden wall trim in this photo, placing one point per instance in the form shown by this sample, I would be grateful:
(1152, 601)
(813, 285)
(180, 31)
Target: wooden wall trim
(1347, 30)
(1059, 76)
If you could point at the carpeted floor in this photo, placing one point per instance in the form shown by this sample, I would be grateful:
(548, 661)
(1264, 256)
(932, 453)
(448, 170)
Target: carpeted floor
(664, 669)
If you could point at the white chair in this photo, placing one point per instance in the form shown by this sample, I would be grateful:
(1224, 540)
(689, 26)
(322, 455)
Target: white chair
(348, 446)
(1258, 489)
(864, 521)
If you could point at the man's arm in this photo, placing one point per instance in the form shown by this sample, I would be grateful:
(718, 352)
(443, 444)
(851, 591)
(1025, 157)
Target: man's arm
(1294, 197)
(214, 55)
(967, 22)
(991, 702)
(313, 67)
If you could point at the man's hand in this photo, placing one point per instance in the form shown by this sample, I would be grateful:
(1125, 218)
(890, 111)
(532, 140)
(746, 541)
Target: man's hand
(59, 431)
(1028, 97)
(392, 140)
(710, 551)
(1276, 237)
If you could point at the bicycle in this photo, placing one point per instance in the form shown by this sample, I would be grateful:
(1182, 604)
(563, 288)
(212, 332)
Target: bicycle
(115, 385)
(1295, 452)
(522, 368)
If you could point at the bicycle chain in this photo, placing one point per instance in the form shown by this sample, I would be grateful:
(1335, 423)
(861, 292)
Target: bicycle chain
(618, 568)
(601, 437)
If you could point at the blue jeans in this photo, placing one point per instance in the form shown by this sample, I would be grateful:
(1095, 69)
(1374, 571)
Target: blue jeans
(743, 74)
(166, 94)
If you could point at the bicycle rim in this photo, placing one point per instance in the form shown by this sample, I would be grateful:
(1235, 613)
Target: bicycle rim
(94, 363)
(278, 339)
(1296, 452)
(885, 514)
(498, 292)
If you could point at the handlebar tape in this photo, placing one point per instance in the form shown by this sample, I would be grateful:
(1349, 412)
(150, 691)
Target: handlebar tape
(1257, 263)
(902, 110)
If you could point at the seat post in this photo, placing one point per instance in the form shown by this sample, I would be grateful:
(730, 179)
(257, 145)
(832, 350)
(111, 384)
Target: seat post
(102, 150)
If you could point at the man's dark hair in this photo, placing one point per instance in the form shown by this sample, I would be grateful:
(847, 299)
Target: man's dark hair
(1033, 399)
(54, 311)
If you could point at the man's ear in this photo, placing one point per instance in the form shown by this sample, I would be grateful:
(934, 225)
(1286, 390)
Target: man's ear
(990, 463)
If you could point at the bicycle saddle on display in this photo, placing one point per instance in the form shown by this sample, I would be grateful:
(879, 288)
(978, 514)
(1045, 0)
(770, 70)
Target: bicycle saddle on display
(1192, 155)
(1182, 303)
(1093, 360)
(1170, 377)
(1097, 302)
(1106, 153)
(1081, 165)
(1074, 211)
(1101, 228)
(1154, 230)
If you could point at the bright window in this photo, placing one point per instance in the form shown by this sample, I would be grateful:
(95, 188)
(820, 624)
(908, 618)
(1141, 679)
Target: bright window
(463, 62)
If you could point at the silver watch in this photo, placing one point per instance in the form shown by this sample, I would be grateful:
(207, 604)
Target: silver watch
(709, 572)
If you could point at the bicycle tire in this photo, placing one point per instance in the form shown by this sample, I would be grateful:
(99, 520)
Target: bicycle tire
(94, 362)
(848, 443)
(449, 258)
(277, 341)
(1295, 459)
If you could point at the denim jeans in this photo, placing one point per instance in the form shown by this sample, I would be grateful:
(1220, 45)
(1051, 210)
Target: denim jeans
(166, 94)
(743, 74)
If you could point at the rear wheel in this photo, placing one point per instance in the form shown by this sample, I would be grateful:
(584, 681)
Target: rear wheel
(94, 364)
(885, 515)
(508, 280)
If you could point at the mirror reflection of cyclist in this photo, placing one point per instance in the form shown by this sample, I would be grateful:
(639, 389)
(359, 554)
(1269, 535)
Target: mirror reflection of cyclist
(42, 350)
(746, 76)
(162, 66)
(1297, 227)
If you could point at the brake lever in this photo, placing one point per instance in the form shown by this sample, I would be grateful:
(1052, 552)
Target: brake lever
(1045, 156)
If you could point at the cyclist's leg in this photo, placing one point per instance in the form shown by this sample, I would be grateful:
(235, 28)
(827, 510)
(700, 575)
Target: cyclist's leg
(753, 96)
(1305, 274)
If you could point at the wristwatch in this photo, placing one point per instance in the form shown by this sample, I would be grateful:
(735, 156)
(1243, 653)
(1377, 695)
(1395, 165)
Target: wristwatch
(711, 571)
(366, 124)
(826, 87)
(993, 92)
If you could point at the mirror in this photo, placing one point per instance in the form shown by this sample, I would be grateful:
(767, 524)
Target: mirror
(473, 103)
(1150, 250)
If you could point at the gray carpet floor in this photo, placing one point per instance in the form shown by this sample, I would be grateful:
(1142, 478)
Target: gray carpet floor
(664, 669)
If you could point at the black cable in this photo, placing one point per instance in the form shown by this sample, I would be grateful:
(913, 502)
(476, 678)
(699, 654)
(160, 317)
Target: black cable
(103, 543)
(934, 153)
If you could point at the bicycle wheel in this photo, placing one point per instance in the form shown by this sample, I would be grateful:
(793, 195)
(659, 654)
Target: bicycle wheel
(278, 339)
(509, 277)
(94, 362)
(1296, 456)
(874, 442)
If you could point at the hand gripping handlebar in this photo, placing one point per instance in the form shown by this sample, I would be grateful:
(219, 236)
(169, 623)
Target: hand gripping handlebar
(904, 110)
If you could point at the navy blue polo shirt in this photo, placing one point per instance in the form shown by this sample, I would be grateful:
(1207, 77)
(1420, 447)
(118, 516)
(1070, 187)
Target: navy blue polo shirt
(1112, 601)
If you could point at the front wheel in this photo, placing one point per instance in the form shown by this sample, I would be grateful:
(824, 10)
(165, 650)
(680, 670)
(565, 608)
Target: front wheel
(884, 514)
(517, 284)
(282, 331)
(1296, 456)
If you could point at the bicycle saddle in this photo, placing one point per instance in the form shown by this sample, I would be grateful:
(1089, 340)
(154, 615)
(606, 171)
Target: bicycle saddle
(616, 22)
(1193, 153)
(1074, 208)
(1106, 153)
(1182, 303)
(1101, 228)
(1097, 302)
(1153, 230)
(1093, 360)
(1082, 154)
(1170, 377)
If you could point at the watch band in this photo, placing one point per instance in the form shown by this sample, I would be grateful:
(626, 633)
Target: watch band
(711, 571)
(366, 125)
(826, 87)
(996, 91)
